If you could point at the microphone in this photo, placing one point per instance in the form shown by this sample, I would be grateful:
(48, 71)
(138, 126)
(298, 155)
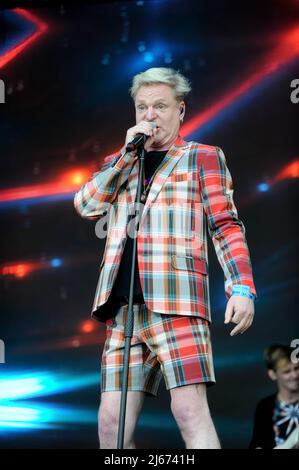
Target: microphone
(139, 139)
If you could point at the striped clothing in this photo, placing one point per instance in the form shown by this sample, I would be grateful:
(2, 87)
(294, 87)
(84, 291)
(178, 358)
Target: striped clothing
(173, 346)
(191, 194)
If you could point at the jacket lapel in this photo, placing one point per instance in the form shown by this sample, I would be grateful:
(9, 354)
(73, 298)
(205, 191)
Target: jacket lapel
(170, 160)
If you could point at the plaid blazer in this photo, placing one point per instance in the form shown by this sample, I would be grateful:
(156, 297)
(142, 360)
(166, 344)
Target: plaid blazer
(191, 193)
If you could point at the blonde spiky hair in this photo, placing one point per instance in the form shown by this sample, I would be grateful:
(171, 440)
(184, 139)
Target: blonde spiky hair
(162, 75)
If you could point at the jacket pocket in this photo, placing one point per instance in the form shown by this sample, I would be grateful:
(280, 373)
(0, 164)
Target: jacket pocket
(189, 263)
(176, 177)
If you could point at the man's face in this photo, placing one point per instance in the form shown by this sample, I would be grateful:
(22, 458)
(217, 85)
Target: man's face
(287, 376)
(157, 103)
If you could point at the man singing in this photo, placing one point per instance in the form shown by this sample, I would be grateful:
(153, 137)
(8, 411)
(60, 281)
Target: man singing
(187, 190)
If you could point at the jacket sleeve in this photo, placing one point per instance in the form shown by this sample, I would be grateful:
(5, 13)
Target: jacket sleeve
(225, 228)
(95, 196)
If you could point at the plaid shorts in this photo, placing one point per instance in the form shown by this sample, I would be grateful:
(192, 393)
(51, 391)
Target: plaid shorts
(175, 346)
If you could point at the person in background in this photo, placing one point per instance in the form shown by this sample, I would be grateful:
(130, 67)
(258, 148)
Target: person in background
(277, 415)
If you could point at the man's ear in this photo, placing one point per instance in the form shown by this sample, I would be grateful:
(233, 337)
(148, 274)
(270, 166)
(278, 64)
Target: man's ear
(182, 110)
(272, 375)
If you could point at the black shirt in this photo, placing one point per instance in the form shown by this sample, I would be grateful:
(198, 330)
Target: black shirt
(274, 421)
(263, 433)
(122, 283)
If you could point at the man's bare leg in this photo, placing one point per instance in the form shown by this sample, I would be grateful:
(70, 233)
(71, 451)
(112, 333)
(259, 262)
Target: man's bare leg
(109, 417)
(190, 409)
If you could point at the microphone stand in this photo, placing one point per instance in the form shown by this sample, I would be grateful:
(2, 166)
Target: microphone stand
(129, 324)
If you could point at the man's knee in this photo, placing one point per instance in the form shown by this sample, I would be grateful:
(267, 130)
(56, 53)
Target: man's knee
(108, 417)
(189, 406)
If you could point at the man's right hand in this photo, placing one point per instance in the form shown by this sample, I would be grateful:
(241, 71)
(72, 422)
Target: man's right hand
(143, 127)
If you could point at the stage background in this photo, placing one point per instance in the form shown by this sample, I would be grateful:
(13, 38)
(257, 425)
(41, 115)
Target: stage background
(66, 72)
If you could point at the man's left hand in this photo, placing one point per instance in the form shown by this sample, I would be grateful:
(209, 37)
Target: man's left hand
(239, 310)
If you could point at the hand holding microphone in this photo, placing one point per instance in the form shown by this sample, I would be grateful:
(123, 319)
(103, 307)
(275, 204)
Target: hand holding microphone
(141, 134)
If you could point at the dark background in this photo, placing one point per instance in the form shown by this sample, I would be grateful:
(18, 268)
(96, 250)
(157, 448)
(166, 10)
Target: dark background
(67, 106)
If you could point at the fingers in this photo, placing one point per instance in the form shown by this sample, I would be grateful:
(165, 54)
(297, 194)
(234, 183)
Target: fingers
(229, 312)
(143, 127)
(239, 310)
(150, 140)
(240, 328)
(242, 325)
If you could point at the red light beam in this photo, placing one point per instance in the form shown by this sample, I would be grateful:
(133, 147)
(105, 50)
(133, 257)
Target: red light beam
(18, 49)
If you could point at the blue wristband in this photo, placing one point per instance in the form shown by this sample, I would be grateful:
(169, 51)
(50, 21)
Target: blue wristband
(243, 291)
